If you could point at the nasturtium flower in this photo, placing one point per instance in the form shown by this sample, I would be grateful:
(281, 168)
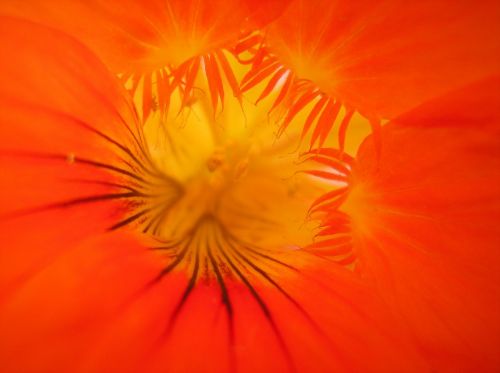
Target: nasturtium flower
(385, 57)
(423, 224)
(151, 222)
(158, 45)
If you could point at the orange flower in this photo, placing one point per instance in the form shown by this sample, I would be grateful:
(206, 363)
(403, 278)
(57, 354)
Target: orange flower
(158, 45)
(422, 224)
(184, 238)
(380, 58)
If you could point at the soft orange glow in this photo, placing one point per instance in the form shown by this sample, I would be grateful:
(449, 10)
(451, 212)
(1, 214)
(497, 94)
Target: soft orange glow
(213, 186)
(386, 57)
(425, 224)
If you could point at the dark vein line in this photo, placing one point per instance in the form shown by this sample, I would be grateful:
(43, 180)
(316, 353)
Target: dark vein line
(114, 109)
(157, 219)
(224, 293)
(112, 141)
(265, 275)
(263, 307)
(70, 203)
(106, 183)
(109, 167)
(152, 221)
(186, 294)
(83, 124)
(64, 157)
(227, 305)
(172, 265)
(169, 247)
(130, 219)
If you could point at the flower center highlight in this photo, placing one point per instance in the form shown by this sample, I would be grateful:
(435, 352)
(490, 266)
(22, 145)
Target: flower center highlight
(235, 172)
(238, 190)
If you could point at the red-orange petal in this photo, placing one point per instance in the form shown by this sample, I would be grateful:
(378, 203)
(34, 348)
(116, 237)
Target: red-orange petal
(140, 36)
(71, 296)
(384, 57)
(140, 39)
(425, 224)
(66, 128)
(94, 313)
(315, 318)
(264, 12)
(80, 305)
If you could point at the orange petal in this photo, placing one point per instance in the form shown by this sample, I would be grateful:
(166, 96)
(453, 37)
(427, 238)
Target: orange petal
(140, 39)
(383, 58)
(63, 314)
(138, 36)
(93, 313)
(264, 12)
(425, 223)
(66, 129)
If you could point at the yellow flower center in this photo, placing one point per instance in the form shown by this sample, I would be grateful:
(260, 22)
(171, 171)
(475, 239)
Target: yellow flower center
(235, 170)
(235, 187)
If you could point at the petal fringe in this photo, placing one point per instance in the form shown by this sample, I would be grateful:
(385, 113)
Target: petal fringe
(384, 57)
(159, 45)
(423, 211)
